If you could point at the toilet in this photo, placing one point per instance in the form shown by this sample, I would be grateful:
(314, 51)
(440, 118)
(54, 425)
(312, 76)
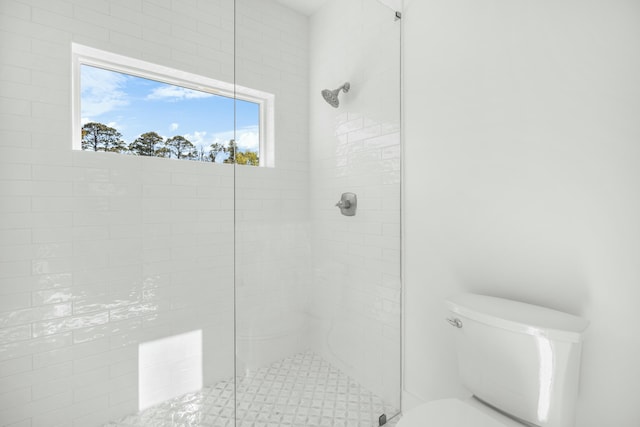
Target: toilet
(521, 363)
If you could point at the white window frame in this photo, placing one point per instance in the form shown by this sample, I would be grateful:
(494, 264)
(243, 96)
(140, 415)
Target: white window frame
(85, 55)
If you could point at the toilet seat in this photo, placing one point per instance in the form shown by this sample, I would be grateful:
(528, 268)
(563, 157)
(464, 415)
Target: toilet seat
(455, 413)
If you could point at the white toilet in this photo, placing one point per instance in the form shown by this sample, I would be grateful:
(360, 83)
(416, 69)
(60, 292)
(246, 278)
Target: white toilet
(521, 362)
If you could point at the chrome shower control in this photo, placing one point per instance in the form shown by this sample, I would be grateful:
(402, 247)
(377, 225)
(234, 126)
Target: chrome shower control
(455, 322)
(348, 204)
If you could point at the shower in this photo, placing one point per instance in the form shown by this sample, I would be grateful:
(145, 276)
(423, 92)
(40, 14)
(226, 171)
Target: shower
(140, 290)
(331, 96)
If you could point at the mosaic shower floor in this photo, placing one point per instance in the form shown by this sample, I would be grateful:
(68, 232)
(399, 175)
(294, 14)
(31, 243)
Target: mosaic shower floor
(300, 391)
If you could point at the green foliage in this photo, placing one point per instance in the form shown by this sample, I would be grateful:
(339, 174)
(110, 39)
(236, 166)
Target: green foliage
(149, 144)
(180, 148)
(248, 158)
(100, 137)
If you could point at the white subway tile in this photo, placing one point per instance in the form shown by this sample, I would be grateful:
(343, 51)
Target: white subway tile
(16, 366)
(39, 376)
(15, 301)
(24, 423)
(126, 368)
(51, 219)
(79, 233)
(52, 204)
(15, 204)
(15, 333)
(51, 296)
(16, 9)
(52, 188)
(51, 266)
(11, 106)
(49, 388)
(14, 269)
(37, 345)
(58, 326)
(14, 171)
(15, 397)
(96, 412)
(51, 281)
(28, 315)
(51, 235)
(15, 237)
(13, 138)
(90, 363)
(15, 221)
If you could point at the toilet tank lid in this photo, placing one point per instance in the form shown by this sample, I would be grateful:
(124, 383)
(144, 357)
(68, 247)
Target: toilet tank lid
(519, 316)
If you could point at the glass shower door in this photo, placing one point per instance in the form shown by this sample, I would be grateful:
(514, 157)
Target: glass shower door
(116, 219)
(317, 292)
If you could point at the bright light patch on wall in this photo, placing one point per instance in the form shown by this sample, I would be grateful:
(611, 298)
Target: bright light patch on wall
(169, 367)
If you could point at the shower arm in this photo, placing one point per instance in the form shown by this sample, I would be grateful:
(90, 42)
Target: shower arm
(345, 87)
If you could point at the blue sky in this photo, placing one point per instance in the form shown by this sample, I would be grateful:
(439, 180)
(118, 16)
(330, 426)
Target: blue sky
(134, 105)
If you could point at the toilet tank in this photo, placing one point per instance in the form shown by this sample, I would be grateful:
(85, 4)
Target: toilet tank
(519, 358)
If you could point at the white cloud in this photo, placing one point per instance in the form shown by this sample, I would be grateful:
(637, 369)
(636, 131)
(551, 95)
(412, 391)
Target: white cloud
(197, 138)
(174, 126)
(248, 138)
(176, 93)
(221, 137)
(101, 92)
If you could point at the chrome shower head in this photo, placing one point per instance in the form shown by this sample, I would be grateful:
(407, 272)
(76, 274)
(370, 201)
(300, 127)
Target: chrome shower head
(331, 96)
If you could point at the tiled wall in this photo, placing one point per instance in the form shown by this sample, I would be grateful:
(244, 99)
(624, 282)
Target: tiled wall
(355, 313)
(100, 252)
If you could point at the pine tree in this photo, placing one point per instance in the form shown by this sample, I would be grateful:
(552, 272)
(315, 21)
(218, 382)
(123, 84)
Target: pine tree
(180, 148)
(149, 144)
(100, 137)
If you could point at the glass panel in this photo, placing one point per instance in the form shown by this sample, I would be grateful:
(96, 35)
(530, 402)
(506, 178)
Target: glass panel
(318, 292)
(116, 277)
(272, 214)
(170, 292)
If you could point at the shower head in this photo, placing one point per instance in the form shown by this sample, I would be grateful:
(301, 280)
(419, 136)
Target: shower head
(331, 96)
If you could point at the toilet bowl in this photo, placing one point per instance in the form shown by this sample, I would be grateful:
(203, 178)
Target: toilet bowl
(455, 413)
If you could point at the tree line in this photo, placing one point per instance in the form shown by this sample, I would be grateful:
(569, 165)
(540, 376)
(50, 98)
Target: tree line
(100, 137)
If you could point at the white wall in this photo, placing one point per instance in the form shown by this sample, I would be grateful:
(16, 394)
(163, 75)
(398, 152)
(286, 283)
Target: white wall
(355, 299)
(100, 252)
(522, 180)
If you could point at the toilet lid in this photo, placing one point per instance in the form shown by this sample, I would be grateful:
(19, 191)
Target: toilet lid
(454, 413)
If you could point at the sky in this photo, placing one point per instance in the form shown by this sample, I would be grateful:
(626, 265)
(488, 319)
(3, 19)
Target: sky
(134, 105)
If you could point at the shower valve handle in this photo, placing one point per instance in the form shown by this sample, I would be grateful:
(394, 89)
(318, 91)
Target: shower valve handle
(348, 204)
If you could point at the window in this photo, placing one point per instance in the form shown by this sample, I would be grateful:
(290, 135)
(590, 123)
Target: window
(134, 107)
